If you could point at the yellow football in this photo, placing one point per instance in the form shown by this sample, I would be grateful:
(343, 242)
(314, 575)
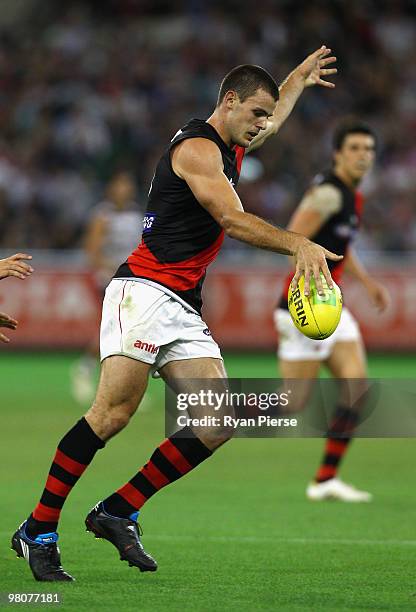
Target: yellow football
(316, 316)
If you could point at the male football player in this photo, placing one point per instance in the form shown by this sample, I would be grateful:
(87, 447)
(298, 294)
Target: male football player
(330, 213)
(152, 308)
(112, 233)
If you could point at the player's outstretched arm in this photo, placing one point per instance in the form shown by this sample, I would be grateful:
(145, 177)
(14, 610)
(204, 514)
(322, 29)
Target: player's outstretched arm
(198, 161)
(310, 72)
(16, 265)
(6, 321)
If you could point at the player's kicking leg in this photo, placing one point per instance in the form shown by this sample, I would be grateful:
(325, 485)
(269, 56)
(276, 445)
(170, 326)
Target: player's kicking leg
(122, 385)
(347, 362)
(114, 518)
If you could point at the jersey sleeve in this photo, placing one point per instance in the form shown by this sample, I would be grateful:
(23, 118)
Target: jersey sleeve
(325, 199)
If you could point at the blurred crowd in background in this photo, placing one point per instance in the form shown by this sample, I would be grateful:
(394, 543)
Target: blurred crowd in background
(87, 89)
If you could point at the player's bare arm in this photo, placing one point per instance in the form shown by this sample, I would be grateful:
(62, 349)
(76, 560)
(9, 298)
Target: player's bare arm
(306, 222)
(16, 265)
(317, 205)
(377, 293)
(94, 242)
(198, 161)
(312, 71)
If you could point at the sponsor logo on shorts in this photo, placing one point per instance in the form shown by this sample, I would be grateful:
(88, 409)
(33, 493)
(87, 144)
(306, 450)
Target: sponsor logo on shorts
(206, 331)
(147, 346)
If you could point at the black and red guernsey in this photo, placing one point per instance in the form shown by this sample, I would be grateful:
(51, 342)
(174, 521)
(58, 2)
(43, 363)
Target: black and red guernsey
(180, 238)
(338, 231)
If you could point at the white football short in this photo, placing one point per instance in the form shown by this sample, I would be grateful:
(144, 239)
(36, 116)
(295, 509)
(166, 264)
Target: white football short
(294, 346)
(145, 323)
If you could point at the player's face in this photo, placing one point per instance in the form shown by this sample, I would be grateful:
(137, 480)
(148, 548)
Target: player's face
(356, 156)
(247, 119)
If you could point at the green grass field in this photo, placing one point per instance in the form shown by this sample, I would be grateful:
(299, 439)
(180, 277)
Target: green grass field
(235, 534)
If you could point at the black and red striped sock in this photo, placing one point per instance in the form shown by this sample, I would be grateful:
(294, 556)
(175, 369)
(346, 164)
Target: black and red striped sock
(339, 437)
(74, 453)
(174, 458)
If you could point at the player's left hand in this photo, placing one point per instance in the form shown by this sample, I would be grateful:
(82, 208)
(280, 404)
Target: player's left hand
(378, 295)
(6, 321)
(16, 265)
(314, 67)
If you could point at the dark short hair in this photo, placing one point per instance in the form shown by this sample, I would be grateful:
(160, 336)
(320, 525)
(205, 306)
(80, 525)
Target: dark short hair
(348, 127)
(246, 80)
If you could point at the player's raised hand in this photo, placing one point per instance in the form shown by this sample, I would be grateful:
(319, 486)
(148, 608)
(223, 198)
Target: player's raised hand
(314, 68)
(6, 321)
(310, 259)
(16, 265)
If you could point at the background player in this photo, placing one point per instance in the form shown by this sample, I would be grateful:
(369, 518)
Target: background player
(151, 312)
(330, 213)
(15, 265)
(114, 228)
